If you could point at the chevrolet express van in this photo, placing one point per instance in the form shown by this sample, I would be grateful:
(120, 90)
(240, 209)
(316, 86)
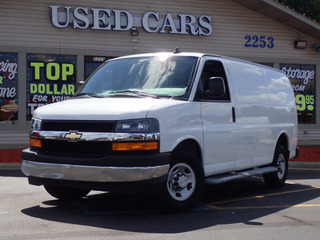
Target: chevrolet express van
(175, 120)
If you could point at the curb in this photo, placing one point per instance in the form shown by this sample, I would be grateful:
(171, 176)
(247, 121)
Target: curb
(10, 166)
(305, 167)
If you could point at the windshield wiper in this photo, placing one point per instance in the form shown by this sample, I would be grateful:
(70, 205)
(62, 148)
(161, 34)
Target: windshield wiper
(88, 94)
(134, 92)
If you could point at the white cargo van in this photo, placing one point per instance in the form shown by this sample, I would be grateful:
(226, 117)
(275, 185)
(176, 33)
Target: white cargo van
(175, 120)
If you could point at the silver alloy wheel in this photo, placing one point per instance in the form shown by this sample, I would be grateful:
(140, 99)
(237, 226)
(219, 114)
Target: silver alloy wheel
(181, 181)
(281, 166)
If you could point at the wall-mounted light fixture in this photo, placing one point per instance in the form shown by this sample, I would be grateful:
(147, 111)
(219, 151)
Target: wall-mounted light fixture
(134, 31)
(300, 44)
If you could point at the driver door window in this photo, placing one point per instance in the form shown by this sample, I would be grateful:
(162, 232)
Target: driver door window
(212, 69)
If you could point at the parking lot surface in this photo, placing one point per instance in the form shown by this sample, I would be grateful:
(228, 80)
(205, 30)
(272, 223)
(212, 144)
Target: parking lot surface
(239, 210)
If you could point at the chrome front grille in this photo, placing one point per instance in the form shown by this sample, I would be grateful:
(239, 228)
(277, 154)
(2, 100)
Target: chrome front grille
(60, 146)
(84, 138)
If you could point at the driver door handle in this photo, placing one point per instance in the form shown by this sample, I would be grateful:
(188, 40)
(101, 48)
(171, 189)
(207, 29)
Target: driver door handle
(233, 114)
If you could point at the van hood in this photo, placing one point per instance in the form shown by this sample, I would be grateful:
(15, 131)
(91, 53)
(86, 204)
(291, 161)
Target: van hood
(100, 108)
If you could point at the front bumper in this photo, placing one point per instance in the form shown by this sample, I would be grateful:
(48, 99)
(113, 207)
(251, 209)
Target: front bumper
(108, 169)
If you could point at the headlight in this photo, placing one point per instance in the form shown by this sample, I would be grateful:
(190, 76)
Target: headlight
(145, 125)
(34, 140)
(35, 124)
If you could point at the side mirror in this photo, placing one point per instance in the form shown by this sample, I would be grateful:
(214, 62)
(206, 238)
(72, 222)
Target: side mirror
(216, 88)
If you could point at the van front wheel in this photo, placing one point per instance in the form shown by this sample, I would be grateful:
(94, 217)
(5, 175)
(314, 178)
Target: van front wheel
(185, 182)
(280, 161)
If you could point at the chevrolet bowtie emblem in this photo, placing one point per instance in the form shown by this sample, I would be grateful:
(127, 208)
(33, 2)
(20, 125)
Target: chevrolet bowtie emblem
(73, 136)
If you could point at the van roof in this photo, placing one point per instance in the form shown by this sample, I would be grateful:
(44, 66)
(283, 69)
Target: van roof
(191, 54)
(194, 54)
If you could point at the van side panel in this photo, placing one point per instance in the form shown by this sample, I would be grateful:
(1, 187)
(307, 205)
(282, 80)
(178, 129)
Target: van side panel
(283, 102)
(264, 109)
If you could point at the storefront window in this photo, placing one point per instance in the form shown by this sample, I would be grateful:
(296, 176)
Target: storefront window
(302, 78)
(91, 63)
(8, 87)
(50, 78)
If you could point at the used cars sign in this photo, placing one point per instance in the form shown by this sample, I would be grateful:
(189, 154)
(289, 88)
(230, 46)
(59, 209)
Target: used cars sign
(121, 20)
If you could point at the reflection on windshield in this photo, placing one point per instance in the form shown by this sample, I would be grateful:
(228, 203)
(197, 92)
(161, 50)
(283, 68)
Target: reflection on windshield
(160, 76)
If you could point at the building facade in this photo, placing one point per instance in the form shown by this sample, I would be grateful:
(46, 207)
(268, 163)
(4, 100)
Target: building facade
(48, 47)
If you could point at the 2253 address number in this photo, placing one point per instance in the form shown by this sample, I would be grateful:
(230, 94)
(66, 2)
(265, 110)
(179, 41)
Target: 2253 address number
(259, 41)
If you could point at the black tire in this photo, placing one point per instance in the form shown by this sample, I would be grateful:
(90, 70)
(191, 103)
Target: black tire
(280, 161)
(185, 182)
(65, 193)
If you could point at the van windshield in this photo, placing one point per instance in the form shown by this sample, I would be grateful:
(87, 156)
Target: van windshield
(159, 76)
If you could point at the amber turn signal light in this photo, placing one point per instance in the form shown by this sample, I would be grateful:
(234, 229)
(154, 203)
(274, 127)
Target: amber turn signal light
(35, 142)
(135, 146)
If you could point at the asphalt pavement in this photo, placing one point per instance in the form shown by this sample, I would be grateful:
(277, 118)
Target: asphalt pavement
(244, 209)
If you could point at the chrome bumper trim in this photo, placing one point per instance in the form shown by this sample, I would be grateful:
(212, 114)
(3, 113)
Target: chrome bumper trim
(92, 173)
(96, 136)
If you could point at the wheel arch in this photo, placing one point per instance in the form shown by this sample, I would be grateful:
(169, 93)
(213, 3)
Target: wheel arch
(283, 139)
(191, 146)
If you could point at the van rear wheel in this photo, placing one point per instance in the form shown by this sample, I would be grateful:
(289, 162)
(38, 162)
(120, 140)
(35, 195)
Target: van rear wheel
(280, 161)
(65, 193)
(185, 182)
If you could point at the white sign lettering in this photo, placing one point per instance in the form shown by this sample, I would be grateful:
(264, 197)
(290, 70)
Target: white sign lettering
(34, 106)
(6, 92)
(299, 74)
(121, 20)
(9, 68)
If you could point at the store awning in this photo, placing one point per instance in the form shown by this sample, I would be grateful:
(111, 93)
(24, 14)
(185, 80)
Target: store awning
(281, 14)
